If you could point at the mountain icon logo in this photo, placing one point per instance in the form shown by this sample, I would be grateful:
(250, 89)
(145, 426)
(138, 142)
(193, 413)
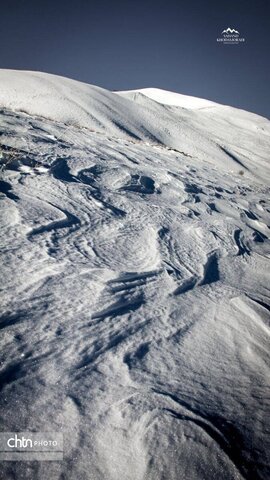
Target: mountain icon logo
(230, 36)
(230, 30)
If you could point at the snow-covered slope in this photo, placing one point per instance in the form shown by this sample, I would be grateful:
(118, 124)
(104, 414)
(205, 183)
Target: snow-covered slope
(135, 283)
(225, 136)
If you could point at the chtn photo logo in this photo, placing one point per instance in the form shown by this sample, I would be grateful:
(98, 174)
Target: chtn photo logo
(20, 446)
(230, 36)
(17, 442)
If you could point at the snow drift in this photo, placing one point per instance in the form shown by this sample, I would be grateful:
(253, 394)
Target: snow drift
(134, 287)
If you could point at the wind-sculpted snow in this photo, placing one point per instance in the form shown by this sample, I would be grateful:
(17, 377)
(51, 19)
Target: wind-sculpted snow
(135, 297)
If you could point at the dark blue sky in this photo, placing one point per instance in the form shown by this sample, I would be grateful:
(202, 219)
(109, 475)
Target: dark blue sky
(127, 44)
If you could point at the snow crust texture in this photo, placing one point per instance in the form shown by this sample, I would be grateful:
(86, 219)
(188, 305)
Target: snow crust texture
(135, 283)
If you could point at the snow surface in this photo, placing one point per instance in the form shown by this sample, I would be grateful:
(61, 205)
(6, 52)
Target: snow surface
(135, 283)
(245, 136)
(169, 98)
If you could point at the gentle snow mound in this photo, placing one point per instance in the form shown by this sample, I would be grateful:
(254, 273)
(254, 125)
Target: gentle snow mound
(170, 98)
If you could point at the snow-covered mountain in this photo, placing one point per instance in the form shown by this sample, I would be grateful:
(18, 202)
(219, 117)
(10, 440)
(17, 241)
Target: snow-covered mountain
(225, 136)
(135, 281)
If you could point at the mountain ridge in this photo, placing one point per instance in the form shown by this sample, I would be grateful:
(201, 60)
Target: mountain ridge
(143, 117)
